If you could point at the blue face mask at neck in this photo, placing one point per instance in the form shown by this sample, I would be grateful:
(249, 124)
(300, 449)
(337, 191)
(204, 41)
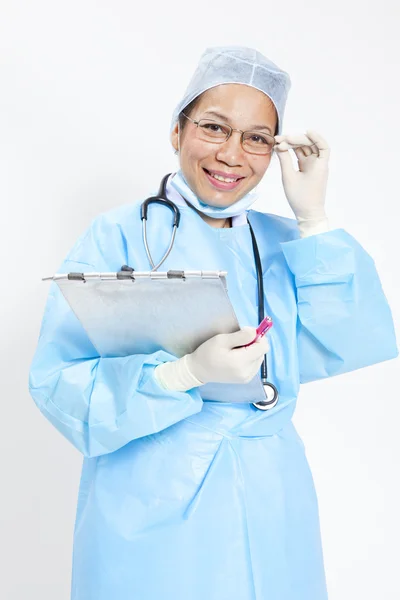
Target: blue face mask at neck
(180, 184)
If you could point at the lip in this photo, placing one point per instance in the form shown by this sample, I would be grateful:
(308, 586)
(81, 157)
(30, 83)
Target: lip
(222, 185)
(226, 175)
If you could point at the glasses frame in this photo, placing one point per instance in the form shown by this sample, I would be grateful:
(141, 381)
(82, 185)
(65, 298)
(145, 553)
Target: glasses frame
(231, 130)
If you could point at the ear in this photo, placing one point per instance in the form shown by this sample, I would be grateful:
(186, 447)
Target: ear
(175, 137)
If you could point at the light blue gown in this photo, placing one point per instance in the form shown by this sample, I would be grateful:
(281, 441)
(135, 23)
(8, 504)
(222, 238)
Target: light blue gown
(186, 499)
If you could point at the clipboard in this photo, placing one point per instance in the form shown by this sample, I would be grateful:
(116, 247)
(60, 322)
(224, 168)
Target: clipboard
(141, 312)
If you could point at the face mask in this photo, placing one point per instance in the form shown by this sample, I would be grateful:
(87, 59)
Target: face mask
(180, 184)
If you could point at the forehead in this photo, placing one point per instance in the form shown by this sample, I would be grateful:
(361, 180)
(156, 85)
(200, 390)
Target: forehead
(238, 102)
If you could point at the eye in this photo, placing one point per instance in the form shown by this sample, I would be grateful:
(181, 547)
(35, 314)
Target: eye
(258, 139)
(214, 127)
(212, 130)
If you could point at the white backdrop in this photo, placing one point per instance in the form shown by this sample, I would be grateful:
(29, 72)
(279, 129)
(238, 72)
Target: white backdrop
(81, 83)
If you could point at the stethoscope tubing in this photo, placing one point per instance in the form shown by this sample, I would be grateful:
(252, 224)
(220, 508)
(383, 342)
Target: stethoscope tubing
(269, 389)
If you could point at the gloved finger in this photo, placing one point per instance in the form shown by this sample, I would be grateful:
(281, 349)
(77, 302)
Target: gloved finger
(263, 347)
(303, 152)
(244, 336)
(320, 143)
(253, 352)
(263, 344)
(287, 166)
(295, 140)
(254, 367)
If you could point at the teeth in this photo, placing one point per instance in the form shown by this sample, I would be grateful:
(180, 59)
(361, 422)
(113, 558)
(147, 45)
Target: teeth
(226, 179)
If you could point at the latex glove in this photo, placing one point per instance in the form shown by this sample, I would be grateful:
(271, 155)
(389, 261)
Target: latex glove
(305, 188)
(215, 360)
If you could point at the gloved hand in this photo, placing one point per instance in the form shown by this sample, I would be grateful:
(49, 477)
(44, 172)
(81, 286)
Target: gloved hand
(305, 189)
(216, 360)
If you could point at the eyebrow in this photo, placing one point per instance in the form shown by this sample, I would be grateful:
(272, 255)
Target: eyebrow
(224, 118)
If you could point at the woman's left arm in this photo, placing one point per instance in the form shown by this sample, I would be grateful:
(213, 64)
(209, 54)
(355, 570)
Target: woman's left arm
(344, 320)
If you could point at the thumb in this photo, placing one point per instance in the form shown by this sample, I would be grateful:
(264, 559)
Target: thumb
(244, 336)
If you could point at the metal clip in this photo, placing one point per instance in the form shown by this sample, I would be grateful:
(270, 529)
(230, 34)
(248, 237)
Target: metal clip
(176, 274)
(76, 276)
(125, 274)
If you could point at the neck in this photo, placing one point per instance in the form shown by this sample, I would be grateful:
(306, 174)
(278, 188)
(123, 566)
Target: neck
(218, 223)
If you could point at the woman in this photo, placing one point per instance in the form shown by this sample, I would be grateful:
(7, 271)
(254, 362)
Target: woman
(180, 497)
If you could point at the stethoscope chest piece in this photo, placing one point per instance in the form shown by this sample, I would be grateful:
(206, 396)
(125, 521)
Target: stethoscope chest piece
(271, 397)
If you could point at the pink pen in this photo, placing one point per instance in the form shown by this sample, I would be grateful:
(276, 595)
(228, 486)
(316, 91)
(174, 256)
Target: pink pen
(262, 329)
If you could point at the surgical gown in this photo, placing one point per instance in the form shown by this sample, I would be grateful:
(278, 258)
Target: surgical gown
(182, 498)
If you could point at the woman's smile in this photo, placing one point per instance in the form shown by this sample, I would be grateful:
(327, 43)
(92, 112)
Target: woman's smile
(222, 181)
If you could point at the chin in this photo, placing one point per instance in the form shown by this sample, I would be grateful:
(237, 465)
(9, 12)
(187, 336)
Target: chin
(216, 204)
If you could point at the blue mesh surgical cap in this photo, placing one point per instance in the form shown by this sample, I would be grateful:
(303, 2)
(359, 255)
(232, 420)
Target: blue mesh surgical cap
(237, 64)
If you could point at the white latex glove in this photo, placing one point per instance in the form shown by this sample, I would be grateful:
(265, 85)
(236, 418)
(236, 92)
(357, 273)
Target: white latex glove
(305, 188)
(215, 360)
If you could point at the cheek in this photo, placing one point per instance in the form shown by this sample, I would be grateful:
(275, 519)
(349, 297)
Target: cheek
(196, 150)
(260, 164)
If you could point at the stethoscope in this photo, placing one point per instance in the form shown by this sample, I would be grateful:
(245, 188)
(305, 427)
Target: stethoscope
(271, 392)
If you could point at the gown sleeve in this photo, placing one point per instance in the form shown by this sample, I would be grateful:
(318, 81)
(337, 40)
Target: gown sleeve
(344, 321)
(99, 404)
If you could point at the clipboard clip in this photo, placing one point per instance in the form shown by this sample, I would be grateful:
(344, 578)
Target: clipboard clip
(126, 272)
(171, 274)
(77, 277)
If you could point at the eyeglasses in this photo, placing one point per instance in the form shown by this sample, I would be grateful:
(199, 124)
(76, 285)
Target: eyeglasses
(253, 142)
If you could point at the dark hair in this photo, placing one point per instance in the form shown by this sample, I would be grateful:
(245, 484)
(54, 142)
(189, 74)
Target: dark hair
(190, 108)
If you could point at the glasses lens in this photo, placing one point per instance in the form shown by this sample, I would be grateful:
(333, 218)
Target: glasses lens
(212, 131)
(258, 143)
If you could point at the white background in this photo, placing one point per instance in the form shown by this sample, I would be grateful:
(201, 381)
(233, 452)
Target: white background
(87, 92)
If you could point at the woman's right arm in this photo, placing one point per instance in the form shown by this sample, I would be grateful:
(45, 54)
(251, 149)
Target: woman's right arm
(99, 404)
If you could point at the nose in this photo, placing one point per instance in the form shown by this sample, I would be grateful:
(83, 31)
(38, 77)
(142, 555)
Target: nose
(231, 152)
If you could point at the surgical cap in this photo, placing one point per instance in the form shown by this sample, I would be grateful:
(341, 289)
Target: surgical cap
(237, 64)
